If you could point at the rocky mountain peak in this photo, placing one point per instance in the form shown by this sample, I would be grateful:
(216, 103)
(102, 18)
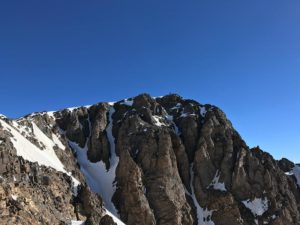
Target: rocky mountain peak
(142, 161)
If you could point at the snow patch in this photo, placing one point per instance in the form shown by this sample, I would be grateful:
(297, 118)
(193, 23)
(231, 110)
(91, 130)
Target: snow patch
(257, 206)
(202, 111)
(295, 172)
(183, 115)
(171, 120)
(127, 102)
(157, 121)
(177, 106)
(51, 114)
(73, 108)
(77, 222)
(14, 197)
(215, 184)
(165, 121)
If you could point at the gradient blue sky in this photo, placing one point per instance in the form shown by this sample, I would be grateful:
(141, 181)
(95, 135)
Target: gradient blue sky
(243, 56)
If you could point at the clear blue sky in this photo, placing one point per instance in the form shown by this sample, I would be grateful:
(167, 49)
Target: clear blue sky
(243, 56)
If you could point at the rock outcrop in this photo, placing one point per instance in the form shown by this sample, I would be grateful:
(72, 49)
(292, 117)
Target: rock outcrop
(164, 161)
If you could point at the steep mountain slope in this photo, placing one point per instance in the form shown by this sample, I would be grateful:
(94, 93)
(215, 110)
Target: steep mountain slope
(144, 160)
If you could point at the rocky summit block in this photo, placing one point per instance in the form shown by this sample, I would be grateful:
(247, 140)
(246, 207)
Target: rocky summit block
(140, 161)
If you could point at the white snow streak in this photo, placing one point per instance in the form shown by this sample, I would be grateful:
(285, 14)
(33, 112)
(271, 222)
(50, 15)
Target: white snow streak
(215, 184)
(203, 215)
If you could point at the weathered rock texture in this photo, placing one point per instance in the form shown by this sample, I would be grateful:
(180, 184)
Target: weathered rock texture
(172, 152)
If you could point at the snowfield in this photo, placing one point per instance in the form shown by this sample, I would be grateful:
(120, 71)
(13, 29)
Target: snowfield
(257, 206)
(31, 152)
(296, 173)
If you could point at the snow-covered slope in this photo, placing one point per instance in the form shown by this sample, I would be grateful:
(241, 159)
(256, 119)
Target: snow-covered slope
(31, 152)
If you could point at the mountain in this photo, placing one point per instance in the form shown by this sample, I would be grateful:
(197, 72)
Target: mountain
(140, 161)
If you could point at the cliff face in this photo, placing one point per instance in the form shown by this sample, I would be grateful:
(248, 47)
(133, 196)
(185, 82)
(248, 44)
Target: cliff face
(164, 161)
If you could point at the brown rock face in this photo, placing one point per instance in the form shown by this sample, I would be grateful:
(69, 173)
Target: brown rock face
(31, 194)
(179, 163)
